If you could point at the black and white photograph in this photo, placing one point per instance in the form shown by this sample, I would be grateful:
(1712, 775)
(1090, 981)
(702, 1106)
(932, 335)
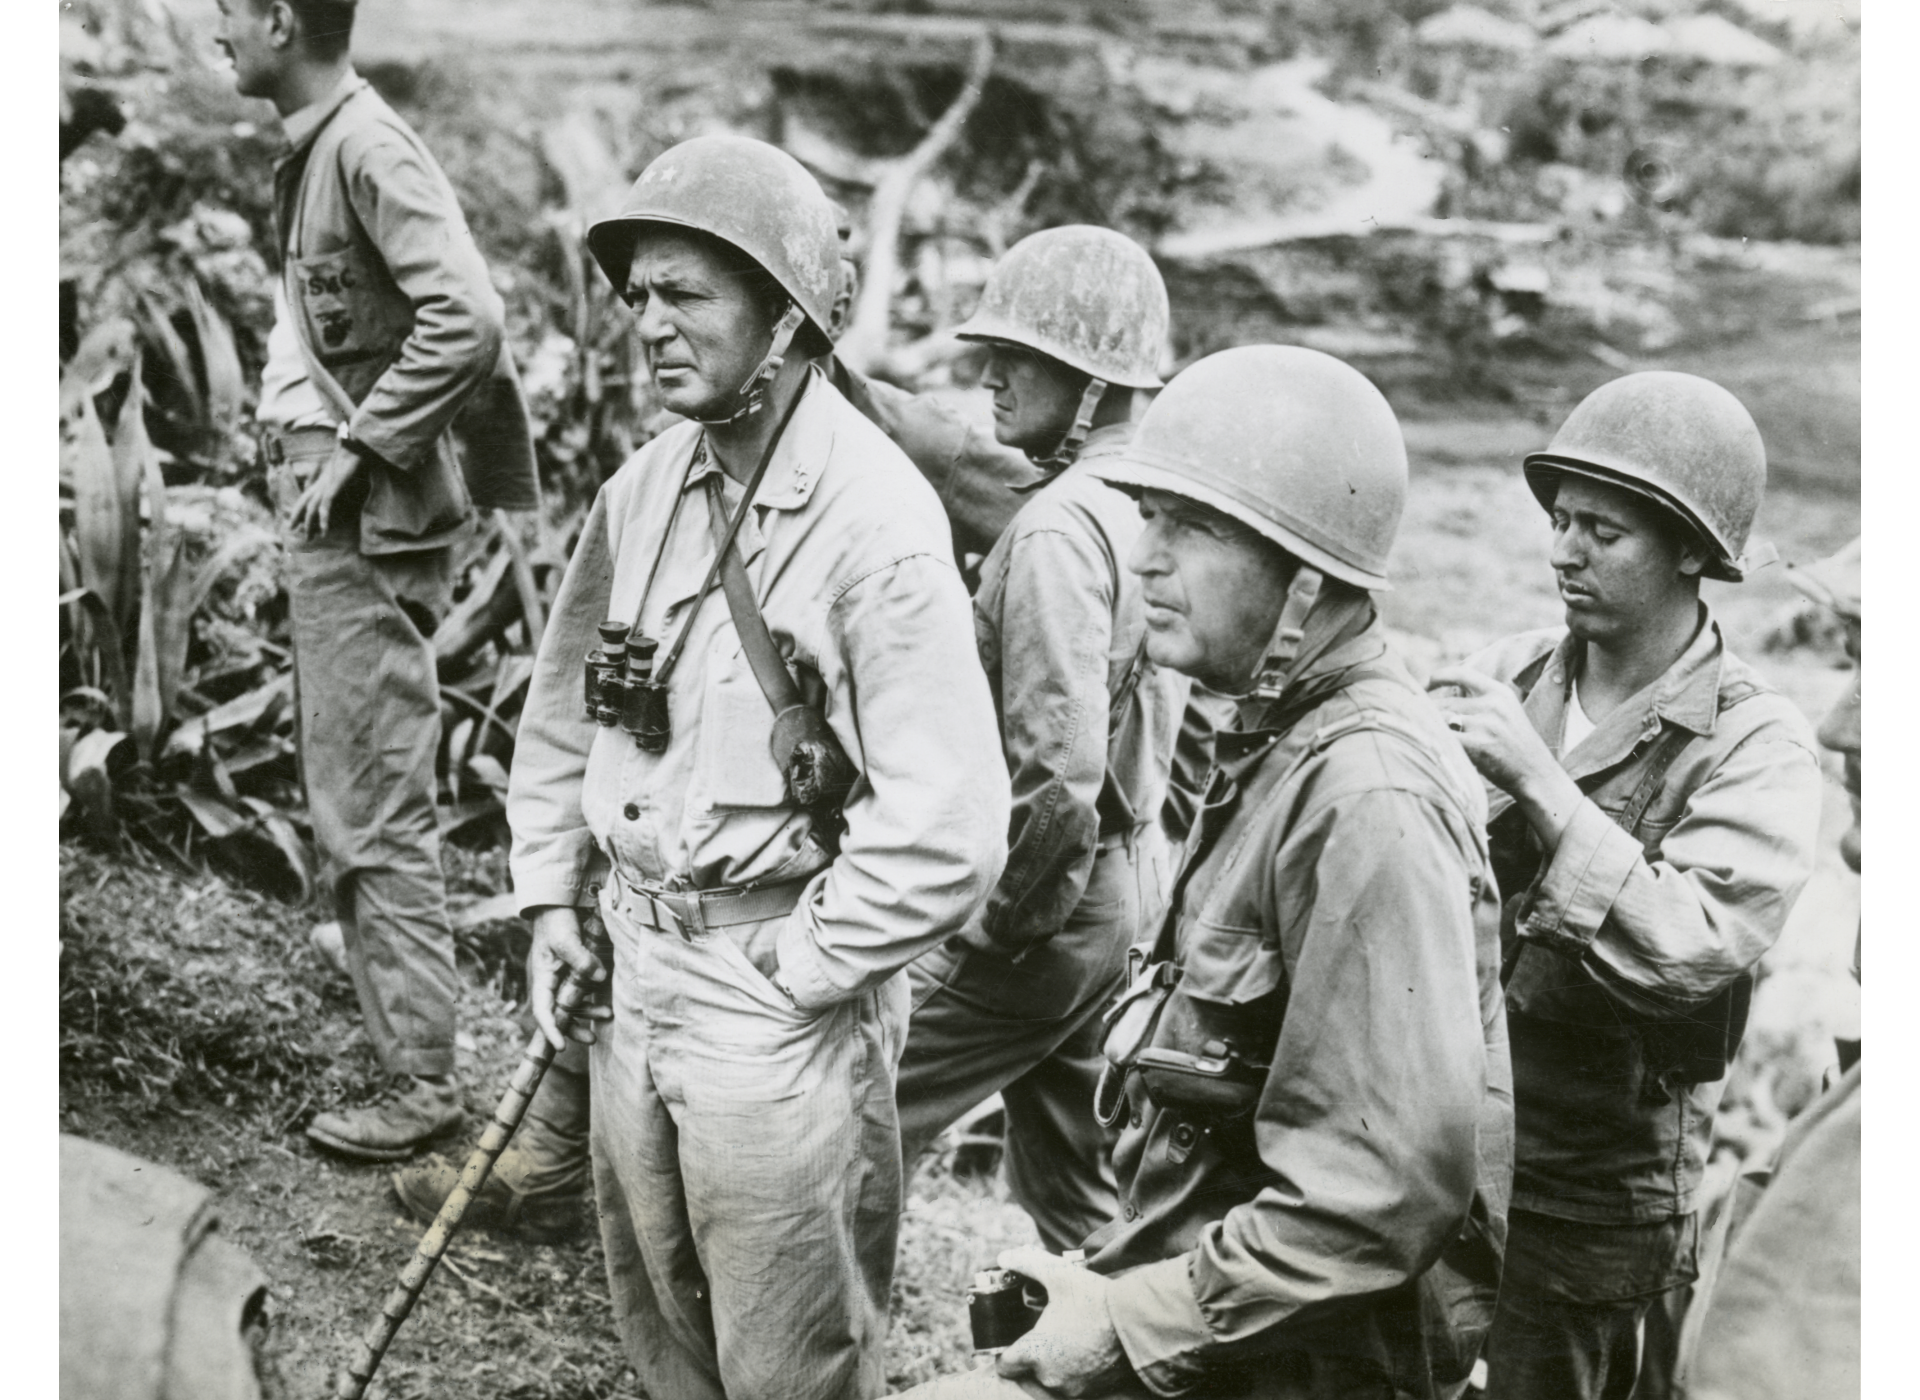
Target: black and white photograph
(962, 699)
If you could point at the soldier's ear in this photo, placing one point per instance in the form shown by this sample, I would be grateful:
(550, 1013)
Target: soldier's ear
(282, 27)
(1693, 556)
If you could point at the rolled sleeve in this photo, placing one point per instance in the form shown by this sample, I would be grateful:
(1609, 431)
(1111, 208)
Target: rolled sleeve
(1679, 928)
(926, 830)
(1160, 1325)
(1590, 866)
(554, 855)
(410, 212)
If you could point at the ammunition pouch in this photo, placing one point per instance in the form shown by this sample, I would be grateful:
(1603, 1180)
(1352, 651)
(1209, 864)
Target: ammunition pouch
(1204, 1059)
(1208, 1059)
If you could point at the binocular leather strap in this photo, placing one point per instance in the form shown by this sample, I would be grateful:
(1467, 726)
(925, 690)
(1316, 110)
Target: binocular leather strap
(763, 654)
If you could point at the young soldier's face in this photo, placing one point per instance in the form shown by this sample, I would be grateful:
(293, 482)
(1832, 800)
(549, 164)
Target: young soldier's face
(244, 35)
(1840, 731)
(1034, 397)
(701, 328)
(1213, 590)
(1618, 563)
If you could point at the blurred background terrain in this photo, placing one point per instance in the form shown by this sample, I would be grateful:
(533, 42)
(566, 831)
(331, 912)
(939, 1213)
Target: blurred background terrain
(1490, 209)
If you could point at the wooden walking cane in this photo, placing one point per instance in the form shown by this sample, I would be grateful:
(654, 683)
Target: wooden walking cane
(573, 994)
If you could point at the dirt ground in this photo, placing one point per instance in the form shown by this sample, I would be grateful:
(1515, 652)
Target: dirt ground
(523, 1322)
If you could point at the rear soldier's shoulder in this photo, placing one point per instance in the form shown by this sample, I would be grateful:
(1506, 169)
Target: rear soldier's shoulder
(1751, 709)
(1508, 657)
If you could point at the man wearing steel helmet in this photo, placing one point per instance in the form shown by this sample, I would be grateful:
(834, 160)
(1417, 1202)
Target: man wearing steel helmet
(745, 1147)
(1654, 808)
(1311, 1065)
(1075, 319)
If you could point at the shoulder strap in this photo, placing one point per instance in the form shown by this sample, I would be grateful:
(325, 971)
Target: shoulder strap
(1665, 750)
(763, 654)
(1128, 685)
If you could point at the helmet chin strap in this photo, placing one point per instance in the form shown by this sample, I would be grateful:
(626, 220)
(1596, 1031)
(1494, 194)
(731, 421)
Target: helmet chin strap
(753, 394)
(1068, 451)
(1275, 669)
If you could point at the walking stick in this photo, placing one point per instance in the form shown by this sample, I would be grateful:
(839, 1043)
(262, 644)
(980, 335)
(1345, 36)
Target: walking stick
(573, 993)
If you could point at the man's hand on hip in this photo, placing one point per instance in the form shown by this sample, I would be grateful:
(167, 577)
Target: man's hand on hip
(557, 946)
(314, 509)
(1073, 1349)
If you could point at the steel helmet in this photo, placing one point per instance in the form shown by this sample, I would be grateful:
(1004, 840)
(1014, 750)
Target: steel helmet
(746, 193)
(1290, 441)
(1679, 440)
(1088, 297)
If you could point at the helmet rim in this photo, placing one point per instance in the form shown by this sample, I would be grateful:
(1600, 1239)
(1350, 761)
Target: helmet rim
(1138, 469)
(611, 240)
(1544, 470)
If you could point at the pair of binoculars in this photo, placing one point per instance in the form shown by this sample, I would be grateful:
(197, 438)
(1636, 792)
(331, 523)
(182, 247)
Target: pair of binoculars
(620, 688)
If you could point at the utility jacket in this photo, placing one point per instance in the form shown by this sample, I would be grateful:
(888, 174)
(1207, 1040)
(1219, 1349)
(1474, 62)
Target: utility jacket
(981, 484)
(1336, 904)
(1626, 946)
(1060, 626)
(383, 278)
(847, 553)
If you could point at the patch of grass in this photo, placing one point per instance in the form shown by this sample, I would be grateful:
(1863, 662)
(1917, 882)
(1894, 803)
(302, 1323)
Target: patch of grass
(179, 994)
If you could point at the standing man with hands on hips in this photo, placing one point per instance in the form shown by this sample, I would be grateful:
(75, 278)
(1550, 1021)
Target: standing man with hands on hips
(386, 327)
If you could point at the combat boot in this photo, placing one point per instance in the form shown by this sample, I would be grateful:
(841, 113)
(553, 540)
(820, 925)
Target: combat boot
(539, 1187)
(412, 1112)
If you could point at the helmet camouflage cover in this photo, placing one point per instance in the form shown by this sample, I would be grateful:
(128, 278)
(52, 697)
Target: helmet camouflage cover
(1086, 296)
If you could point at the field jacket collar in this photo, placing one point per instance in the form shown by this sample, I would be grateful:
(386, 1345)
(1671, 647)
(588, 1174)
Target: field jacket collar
(1687, 694)
(304, 125)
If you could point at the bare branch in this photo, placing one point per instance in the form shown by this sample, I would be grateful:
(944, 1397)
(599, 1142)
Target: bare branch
(866, 338)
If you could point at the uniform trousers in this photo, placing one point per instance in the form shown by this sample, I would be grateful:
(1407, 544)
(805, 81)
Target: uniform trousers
(1030, 1031)
(746, 1164)
(367, 704)
(1571, 1319)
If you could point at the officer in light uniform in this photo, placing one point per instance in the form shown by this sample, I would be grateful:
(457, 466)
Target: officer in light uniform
(745, 1146)
(1074, 320)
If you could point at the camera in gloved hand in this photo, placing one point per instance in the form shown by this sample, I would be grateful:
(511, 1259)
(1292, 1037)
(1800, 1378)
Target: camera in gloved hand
(620, 688)
(1003, 1306)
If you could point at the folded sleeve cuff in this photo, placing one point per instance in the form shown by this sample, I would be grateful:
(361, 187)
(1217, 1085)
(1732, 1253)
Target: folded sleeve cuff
(1589, 868)
(803, 972)
(402, 451)
(1161, 1328)
(558, 875)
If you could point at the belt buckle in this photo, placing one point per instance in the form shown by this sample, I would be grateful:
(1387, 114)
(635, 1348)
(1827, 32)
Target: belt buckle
(665, 916)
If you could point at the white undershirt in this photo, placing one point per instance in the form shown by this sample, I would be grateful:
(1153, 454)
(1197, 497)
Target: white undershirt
(1578, 726)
